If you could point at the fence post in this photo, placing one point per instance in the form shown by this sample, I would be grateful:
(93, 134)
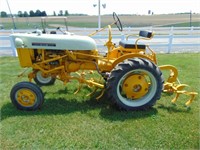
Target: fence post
(14, 51)
(171, 30)
(122, 37)
(129, 29)
(150, 28)
(170, 43)
(170, 39)
(85, 31)
(191, 30)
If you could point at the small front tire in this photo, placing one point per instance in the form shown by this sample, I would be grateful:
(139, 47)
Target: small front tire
(26, 96)
(40, 80)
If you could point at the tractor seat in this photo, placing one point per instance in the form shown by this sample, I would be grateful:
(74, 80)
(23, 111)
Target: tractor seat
(131, 44)
(145, 35)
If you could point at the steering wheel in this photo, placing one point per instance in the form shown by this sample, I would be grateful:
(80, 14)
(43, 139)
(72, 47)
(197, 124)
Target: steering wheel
(117, 22)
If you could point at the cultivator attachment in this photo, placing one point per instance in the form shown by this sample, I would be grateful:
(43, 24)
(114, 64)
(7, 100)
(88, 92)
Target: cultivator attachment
(92, 83)
(173, 85)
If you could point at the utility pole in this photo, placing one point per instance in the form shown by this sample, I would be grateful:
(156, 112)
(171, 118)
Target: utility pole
(11, 15)
(190, 18)
(99, 12)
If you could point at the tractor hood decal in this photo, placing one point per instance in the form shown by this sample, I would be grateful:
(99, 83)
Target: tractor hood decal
(43, 44)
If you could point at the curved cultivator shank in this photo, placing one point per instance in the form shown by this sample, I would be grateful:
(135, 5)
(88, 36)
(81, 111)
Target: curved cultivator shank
(173, 85)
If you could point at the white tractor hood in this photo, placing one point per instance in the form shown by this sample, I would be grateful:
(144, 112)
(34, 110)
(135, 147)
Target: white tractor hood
(53, 41)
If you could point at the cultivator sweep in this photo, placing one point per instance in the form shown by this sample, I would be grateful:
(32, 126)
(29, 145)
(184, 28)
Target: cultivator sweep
(173, 85)
(128, 73)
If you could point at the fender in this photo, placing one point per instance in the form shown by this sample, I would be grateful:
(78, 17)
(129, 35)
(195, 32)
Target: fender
(126, 56)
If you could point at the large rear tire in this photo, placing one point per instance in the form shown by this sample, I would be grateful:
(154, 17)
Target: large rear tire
(135, 84)
(26, 96)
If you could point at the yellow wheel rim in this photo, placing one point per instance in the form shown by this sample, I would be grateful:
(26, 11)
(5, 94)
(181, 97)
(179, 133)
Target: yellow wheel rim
(26, 97)
(135, 86)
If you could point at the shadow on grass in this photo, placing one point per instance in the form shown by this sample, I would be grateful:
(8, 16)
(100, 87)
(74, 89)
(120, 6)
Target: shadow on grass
(174, 109)
(59, 106)
(63, 106)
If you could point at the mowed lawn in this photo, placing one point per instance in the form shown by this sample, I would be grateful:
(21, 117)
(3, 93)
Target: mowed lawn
(68, 121)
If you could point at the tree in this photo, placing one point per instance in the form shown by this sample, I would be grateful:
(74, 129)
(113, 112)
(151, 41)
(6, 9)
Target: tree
(4, 14)
(66, 13)
(20, 14)
(26, 14)
(43, 13)
(38, 13)
(32, 14)
(60, 13)
(54, 13)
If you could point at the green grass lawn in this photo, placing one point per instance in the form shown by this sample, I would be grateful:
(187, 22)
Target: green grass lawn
(68, 121)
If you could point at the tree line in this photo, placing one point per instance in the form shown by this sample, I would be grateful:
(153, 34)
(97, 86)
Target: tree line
(31, 13)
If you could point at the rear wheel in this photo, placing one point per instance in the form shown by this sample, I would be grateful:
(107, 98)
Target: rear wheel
(135, 84)
(26, 96)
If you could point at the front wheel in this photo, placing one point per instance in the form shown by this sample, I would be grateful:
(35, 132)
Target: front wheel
(135, 84)
(41, 80)
(26, 96)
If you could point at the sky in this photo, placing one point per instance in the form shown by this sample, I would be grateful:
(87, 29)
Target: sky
(140, 7)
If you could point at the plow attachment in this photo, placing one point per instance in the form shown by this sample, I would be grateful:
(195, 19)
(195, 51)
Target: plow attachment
(173, 85)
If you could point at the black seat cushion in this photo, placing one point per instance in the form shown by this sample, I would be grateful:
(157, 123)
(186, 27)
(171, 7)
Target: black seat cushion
(131, 44)
(146, 34)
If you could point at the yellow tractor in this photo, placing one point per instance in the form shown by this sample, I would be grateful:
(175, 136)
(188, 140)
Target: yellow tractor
(132, 79)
